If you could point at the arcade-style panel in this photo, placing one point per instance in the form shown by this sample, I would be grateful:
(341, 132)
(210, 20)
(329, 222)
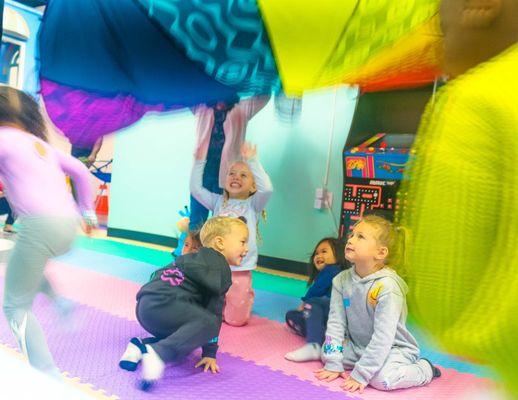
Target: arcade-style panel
(377, 151)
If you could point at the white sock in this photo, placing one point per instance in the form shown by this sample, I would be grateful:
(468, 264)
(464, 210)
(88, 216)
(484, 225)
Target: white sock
(152, 365)
(308, 352)
(131, 357)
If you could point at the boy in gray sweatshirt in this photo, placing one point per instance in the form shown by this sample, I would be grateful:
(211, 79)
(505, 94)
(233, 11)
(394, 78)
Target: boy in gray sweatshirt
(366, 330)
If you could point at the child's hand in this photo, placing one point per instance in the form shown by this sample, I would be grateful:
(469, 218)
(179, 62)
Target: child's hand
(352, 385)
(87, 229)
(208, 363)
(183, 224)
(89, 221)
(325, 375)
(301, 307)
(248, 151)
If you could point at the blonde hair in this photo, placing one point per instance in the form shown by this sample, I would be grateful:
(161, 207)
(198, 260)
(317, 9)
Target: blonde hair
(218, 226)
(393, 237)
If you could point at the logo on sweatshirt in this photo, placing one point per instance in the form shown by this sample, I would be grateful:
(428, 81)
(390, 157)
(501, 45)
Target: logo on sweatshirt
(330, 347)
(40, 149)
(347, 302)
(372, 296)
(174, 276)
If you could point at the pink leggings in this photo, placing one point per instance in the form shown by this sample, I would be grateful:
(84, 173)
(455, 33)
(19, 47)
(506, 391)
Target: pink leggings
(239, 299)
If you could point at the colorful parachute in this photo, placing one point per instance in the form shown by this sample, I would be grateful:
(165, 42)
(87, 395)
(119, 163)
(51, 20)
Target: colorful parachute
(128, 57)
(107, 72)
(226, 39)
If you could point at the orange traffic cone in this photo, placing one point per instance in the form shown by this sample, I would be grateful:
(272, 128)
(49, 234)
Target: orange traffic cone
(102, 204)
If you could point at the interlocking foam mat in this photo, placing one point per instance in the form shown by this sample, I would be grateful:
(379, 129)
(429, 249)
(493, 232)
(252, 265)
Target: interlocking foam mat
(88, 344)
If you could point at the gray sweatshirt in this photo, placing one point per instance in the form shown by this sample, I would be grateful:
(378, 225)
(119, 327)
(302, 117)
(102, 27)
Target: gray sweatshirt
(366, 321)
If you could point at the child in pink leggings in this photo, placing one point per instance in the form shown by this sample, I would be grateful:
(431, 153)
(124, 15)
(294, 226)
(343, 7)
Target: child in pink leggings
(247, 190)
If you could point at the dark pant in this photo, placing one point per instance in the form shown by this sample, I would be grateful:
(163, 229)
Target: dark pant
(178, 327)
(199, 213)
(6, 209)
(78, 152)
(310, 323)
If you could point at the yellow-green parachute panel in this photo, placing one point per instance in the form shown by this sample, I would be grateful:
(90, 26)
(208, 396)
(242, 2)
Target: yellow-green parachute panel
(461, 203)
(303, 35)
(318, 44)
(413, 60)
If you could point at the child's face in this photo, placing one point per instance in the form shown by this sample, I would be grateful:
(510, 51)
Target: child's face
(189, 246)
(362, 245)
(234, 246)
(323, 256)
(240, 181)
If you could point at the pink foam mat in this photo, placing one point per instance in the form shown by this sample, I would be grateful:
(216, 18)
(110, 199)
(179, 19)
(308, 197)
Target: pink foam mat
(262, 341)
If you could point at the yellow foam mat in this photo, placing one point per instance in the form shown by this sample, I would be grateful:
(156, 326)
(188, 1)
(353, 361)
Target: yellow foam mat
(85, 388)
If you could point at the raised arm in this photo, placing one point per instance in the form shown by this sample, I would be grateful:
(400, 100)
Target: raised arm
(204, 196)
(263, 183)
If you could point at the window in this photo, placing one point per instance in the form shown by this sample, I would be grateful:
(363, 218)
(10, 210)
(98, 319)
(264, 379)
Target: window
(11, 62)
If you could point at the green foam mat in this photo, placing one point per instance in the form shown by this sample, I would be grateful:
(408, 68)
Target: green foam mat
(261, 280)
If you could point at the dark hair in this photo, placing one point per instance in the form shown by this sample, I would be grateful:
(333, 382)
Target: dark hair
(19, 109)
(338, 248)
(195, 237)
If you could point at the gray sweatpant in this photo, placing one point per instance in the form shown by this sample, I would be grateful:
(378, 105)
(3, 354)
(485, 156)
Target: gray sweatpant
(400, 371)
(38, 239)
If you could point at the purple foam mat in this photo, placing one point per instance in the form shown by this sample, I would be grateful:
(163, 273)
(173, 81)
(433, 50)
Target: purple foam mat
(88, 345)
